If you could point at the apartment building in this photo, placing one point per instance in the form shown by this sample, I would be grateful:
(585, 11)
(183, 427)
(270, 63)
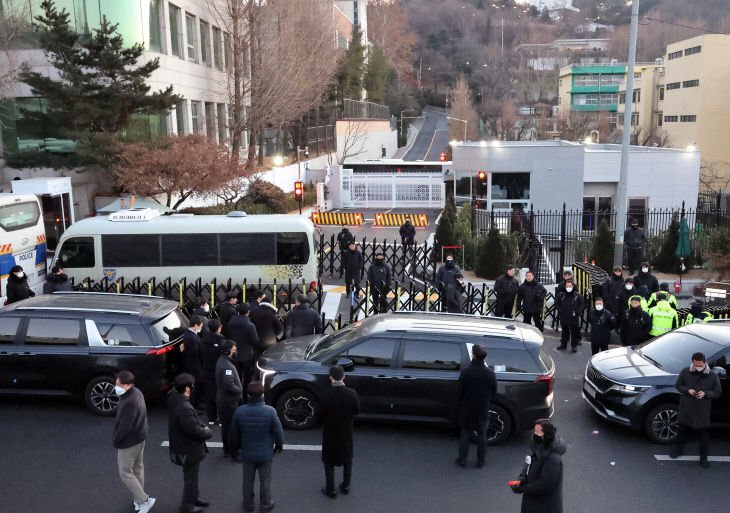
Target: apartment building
(645, 103)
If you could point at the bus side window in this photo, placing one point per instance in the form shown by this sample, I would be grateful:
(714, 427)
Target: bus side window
(77, 252)
(292, 248)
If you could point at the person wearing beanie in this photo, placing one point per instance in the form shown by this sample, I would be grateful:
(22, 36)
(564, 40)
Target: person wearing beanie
(697, 313)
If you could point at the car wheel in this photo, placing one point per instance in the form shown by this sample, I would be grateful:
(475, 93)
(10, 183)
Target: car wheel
(298, 409)
(500, 425)
(100, 396)
(661, 425)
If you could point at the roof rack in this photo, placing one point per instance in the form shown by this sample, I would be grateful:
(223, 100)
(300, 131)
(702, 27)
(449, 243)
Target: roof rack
(73, 309)
(105, 294)
(510, 326)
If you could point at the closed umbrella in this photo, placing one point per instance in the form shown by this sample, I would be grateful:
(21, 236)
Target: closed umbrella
(683, 249)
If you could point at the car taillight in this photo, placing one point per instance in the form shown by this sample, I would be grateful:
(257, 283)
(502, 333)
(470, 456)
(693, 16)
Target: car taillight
(161, 350)
(548, 380)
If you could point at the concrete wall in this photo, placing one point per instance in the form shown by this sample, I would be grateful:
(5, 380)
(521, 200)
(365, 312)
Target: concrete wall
(362, 139)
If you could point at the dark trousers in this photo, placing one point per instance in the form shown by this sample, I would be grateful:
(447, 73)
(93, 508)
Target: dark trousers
(683, 435)
(329, 475)
(536, 318)
(225, 414)
(569, 332)
(349, 280)
(597, 348)
(342, 261)
(190, 484)
(198, 395)
(634, 259)
(211, 410)
(504, 307)
(245, 372)
(380, 301)
(249, 476)
(465, 438)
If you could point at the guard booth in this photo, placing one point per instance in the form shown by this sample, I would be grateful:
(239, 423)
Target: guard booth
(56, 200)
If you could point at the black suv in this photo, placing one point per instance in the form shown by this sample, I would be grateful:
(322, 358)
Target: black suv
(74, 343)
(634, 386)
(405, 366)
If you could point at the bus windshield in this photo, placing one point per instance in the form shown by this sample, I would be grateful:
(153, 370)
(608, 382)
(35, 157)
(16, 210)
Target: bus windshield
(16, 216)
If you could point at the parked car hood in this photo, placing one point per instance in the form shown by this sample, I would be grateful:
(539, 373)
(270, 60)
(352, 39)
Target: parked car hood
(290, 350)
(626, 365)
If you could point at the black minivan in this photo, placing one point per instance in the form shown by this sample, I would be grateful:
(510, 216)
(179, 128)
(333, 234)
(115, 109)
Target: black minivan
(73, 343)
(405, 366)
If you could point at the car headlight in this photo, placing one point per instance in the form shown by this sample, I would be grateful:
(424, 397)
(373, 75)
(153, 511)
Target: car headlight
(628, 389)
(264, 373)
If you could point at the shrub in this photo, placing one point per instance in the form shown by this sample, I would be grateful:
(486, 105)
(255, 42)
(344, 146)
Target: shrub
(603, 247)
(720, 241)
(492, 257)
(667, 260)
(444, 236)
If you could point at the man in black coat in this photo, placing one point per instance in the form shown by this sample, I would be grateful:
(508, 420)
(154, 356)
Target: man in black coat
(228, 309)
(567, 275)
(254, 305)
(446, 273)
(407, 234)
(57, 281)
(17, 288)
(187, 435)
(506, 288)
(541, 481)
(353, 264)
(380, 278)
(243, 333)
(602, 322)
(698, 386)
(635, 324)
(201, 308)
(303, 319)
(211, 344)
(634, 239)
(339, 406)
(531, 300)
(454, 297)
(646, 283)
(611, 291)
(476, 387)
(268, 325)
(130, 433)
(343, 241)
(570, 307)
(228, 392)
(193, 357)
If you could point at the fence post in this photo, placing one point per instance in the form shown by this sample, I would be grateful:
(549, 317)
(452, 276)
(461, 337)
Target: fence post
(563, 220)
(367, 298)
(243, 292)
(212, 295)
(485, 293)
(180, 288)
(274, 300)
(473, 214)
(319, 295)
(149, 288)
(428, 297)
(118, 286)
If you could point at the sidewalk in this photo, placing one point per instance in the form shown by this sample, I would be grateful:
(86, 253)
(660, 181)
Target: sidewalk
(412, 134)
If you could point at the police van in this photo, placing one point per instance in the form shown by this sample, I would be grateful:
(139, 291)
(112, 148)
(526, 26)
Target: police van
(141, 243)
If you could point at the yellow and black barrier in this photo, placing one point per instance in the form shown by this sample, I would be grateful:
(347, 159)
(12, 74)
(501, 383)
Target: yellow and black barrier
(337, 218)
(382, 219)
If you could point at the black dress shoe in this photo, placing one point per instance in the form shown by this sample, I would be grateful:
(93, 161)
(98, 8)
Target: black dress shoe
(704, 464)
(344, 489)
(573, 350)
(560, 348)
(200, 502)
(190, 508)
(480, 465)
(460, 463)
(329, 493)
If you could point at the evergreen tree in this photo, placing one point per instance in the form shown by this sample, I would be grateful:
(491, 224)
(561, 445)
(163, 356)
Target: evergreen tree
(491, 259)
(100, 84)
(602, 248)
(667, 260)
(444, 236)
(349, 77)
(376, 75)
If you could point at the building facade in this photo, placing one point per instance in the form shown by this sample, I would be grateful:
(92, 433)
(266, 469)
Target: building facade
(645, 108)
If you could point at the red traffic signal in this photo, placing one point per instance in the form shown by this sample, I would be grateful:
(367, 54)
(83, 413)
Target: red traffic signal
(482, 175)
(443, 157)
(298, 190)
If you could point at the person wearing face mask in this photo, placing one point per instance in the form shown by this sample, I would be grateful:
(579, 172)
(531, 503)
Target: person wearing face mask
(611, 291)
(531, 300)
(541, 479)
(193, 356)
(202, 309)
(228, 392)
(663, 287)
(625, 296)
(635, 324)
(407, 234)
(506, 288)
(303, 320)
(353, 264)
(646, 283)
(634, 239)
(17, 287)
(446, 273)
(570, 307)
(57, 281)
(344, 238)
(454, 298)
(130, 433)
(697, 314)
(210, 350)
(664, 318)
(698, 387)
(602, 322)
(567, 275)
(379, 277)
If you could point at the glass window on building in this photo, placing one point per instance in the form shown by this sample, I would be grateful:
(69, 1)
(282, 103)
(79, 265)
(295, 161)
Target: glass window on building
(176, 31)
(637, 210)
(192, 47)
(217, 41)
(196, 115)
(222, 130)
(205, 43)
(181, 117)
(227, 50)
(21, 132)
(155, 40)
(210, 120)
(512, 186)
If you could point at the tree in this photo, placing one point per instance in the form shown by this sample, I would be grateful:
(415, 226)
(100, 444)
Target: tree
(177, 167)
(491, 259)
(444, 235)
(13, 24)
(462, 108)
(545, 16)
(100, 84)
(603, 246)
(715, 176)
(353, 140)
(667, 260)
(376, 75)
(388, 31)
(351, 68)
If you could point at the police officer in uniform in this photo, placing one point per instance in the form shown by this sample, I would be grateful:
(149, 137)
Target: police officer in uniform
(697, 314)
(663, 317)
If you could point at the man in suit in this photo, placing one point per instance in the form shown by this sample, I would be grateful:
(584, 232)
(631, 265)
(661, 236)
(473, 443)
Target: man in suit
(339, 407)
(193, 357)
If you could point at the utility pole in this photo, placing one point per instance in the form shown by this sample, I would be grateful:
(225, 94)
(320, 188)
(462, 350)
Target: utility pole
(502, 35)
(626, 140)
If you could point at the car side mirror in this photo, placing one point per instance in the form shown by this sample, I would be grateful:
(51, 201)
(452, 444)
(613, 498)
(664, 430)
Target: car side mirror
(345, 363)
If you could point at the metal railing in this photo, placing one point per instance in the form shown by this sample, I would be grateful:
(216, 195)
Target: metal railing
(356, 109)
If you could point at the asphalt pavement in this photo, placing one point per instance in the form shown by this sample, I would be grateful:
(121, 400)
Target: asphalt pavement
(58, 457)
(432, 138)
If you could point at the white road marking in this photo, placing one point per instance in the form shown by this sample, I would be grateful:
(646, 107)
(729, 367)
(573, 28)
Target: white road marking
(665, 457)
(331, 304)
(287, 447)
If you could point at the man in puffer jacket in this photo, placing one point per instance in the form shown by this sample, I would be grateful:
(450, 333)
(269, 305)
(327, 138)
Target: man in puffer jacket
(57, 281)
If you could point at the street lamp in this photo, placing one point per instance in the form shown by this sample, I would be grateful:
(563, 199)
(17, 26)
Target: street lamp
(278, 160)
(589, 139)
(463, 121)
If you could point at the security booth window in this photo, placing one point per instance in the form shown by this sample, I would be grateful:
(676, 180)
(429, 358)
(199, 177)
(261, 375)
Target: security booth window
(77, 253)
(511, 186)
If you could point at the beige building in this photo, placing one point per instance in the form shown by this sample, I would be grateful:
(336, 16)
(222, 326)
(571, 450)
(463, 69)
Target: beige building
(645, 110)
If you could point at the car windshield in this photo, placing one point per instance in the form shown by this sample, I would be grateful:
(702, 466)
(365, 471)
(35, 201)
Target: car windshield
(169, 327)
(334, 342)
(674, 350)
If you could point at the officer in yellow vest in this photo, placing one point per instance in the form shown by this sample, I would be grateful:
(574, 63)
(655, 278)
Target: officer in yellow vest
(642, 301)
(663, 317)
(664, 287)
(696, 314)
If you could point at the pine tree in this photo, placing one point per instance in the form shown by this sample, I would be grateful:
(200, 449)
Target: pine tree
(491, 259)
(100, 84)
(351, 69)
(602, 248)
(667, 260)
(444, 235)
(376, 75)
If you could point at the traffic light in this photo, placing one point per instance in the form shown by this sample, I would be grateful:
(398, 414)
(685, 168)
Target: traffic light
(299, 193)
(443, 157)
(482, 176)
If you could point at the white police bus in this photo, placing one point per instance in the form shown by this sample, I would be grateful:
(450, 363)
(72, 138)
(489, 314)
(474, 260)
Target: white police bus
(22, 240)
(141, 243)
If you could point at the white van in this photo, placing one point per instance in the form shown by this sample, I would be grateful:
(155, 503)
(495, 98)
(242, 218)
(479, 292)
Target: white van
(141, 243)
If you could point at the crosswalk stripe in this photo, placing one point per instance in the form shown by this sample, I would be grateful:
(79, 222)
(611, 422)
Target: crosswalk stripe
(719, 459)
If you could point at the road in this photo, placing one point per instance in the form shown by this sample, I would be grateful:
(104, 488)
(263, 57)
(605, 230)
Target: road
(57, 457)
(432, 138)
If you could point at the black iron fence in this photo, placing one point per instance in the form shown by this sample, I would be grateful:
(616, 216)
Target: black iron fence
(321, 139)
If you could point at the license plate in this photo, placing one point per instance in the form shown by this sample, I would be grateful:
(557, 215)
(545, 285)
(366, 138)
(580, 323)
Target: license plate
(589, 390)
(26, 259)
